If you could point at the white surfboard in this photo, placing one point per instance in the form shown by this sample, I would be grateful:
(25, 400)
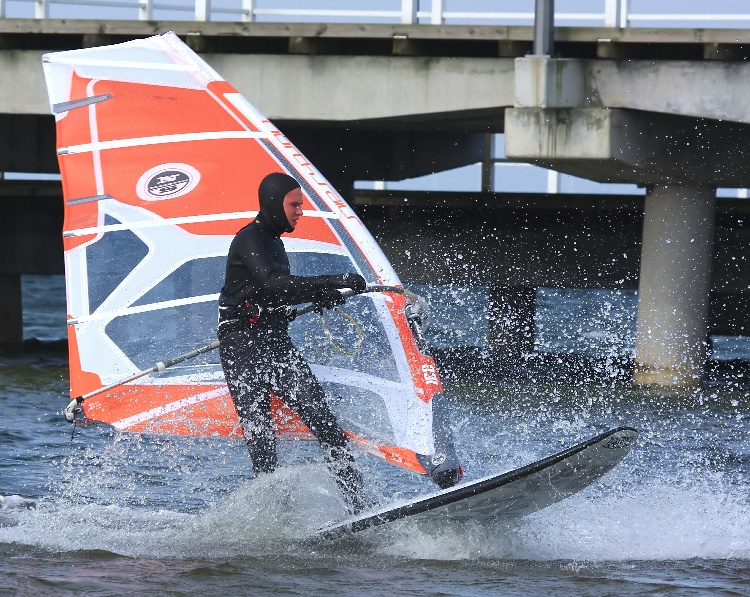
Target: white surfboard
(512, 494)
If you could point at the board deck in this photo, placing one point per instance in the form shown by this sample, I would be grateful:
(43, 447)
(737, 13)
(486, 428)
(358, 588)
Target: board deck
(512, 494)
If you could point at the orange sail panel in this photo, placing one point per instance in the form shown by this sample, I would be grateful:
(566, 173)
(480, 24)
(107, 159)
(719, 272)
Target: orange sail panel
(160, 160)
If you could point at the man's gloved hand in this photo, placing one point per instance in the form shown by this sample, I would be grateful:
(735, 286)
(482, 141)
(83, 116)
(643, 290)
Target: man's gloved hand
(327, 299)
(354, 281)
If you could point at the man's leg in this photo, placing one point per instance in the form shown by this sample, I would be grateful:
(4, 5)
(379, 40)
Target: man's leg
(254, 412)
(302, 392)
(252, 401)
(340, 463)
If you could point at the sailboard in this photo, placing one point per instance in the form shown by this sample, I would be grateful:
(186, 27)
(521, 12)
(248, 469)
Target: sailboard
(160, 159)
(508, 495)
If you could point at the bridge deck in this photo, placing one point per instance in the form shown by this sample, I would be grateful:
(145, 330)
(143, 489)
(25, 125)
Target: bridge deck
(385, 39)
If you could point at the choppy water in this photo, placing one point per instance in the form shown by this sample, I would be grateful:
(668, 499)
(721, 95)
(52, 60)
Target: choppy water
(104, 513)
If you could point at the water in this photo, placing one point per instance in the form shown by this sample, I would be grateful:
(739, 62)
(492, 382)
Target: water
(105, 513)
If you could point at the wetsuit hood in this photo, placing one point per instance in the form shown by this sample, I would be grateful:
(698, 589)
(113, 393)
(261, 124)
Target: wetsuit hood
(271, 192)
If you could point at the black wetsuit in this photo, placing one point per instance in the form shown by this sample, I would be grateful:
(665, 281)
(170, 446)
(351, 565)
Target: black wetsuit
(257, 354)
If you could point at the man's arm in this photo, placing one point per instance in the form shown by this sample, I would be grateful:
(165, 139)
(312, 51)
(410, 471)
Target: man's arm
(290, 289)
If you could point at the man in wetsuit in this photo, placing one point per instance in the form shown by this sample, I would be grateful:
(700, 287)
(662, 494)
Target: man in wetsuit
(257, 354)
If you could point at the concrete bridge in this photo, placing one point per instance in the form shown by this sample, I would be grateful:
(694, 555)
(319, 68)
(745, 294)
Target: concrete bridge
(664, 109)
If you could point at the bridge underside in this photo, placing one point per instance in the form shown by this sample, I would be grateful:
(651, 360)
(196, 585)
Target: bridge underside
(511, 243)
(651, 107)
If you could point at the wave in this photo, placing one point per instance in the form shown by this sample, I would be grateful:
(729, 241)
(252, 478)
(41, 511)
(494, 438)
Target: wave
(626, 517)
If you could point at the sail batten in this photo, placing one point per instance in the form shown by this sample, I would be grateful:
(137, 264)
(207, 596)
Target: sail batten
(157, 180)
(72, 60)
(159, 140)
(88, 199)
(81, 103)
(242, 215)
(108, 315)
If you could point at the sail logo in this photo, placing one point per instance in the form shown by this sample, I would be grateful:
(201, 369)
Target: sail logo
(430, 374)
(167, 181)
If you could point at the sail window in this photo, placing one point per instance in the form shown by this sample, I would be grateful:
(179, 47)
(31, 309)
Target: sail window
(109, 261)
(309, 263)
(197, 277)
(375, 355)
(361, 411)
(150, 337)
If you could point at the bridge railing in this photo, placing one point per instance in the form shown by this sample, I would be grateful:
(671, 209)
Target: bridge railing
(598, 13)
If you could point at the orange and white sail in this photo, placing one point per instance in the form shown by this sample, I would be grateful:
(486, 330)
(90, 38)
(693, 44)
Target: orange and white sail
(161, 159)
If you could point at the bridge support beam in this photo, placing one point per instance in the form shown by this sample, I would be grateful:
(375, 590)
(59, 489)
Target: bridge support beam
(674, 287)
(11, 319)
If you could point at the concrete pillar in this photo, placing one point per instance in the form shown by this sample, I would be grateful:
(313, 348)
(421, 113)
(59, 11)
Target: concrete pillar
(11, 314)
(488, 164)
(674, 286)
(511, 322)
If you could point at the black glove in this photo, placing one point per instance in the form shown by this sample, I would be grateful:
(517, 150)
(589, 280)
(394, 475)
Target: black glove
(327, 299)
(354, 281)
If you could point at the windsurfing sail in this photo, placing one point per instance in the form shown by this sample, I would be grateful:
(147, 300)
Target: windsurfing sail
(161, 159)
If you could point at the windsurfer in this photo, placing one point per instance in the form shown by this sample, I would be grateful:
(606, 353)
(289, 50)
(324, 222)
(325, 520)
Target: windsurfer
(257, 354)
